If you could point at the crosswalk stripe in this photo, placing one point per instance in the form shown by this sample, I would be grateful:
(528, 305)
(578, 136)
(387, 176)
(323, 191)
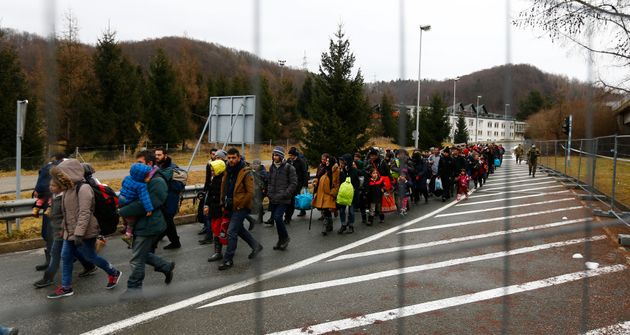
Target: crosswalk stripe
(510, 198)
(466, 223)
(504, 207)
(455, 240)
(513, 181)
(425, 307)
(395, 272)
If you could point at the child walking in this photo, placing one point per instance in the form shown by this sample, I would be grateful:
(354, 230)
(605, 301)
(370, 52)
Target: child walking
(134, 187)
(462, 184)
(404, 193)
(376, 187)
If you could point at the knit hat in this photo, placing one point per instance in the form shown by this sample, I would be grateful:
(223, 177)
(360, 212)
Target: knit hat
(278, 150)
(221, 154)
(293, 151)
(218, 166)
(256, 163)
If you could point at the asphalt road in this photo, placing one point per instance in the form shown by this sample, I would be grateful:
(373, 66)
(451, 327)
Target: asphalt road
(499, 262)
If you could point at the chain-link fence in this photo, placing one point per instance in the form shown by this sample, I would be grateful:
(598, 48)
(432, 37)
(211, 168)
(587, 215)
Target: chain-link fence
(600, 165)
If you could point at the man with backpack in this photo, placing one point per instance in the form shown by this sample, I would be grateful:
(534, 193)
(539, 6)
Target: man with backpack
(283, 182)
(148, 229)
(302, 181)
(176, 181)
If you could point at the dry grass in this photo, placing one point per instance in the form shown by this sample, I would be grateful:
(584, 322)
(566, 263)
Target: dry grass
(580, 168)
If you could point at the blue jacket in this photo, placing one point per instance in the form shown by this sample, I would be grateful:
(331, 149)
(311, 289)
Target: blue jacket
(171, 207)
(134, 187)
(155, 224)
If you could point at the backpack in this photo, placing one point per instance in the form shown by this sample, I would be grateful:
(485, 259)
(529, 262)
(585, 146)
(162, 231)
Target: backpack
(180, 176)
(105, 207)
(346, 193)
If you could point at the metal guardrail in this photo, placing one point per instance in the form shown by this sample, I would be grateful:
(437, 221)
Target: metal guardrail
(16, 209)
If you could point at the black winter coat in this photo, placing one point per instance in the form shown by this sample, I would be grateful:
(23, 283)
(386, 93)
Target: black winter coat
(282, 183)
(213, 197)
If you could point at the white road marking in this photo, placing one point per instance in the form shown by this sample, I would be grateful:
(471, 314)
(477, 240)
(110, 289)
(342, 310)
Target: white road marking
(505, 207)
(515, 186)
(517, 191)
(466, 203)
(390, 273)
(455, 240)
(513, 181)
(147, 316)
(620, 329)
(435, 305)
(466, 223)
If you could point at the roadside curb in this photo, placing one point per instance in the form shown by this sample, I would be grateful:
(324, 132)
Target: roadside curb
(36, 243)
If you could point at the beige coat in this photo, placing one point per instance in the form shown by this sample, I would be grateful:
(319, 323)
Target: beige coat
(326, 196)
(77, 207)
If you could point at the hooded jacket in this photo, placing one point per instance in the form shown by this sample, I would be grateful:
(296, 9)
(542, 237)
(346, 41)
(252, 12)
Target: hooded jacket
(243, 192)
(77, 203)
(283, 183)
(155, 224)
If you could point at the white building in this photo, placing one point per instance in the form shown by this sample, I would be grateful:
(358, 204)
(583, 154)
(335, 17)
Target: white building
(489, 127)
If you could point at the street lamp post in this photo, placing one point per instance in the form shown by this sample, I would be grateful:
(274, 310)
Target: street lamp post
(455, 93)
(477, 119)
(417, 134)
(281, 62)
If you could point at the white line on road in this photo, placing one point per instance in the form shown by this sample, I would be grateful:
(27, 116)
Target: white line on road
(147, 316)
(466, 223)
(618, 329)
(513, 181)
(511, 198)
(517, 191)
(516, 186)
(455, 240)
(505, 207)
(390, 273)
(392, 314)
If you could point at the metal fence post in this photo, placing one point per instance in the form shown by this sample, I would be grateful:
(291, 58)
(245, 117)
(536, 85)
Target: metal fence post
(614, 176)
(555, 155)
(565, 158)
(124, 152)
(594, 163)
(579, 162)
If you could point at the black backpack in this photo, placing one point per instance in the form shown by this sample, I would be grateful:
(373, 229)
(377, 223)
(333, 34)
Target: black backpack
(105, 207)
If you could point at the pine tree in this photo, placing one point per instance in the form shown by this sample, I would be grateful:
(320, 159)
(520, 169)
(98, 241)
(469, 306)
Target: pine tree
(287, 109)
(386, 108)
(120, 99)
(306, 97)
(461, 133)
(165, 117)
(434, 125)
(222, 86)
(339, 113)
(13, 87)
(268, 115)
(405, 125)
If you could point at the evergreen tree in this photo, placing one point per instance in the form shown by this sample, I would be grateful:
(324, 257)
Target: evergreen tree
(405, 126)
(221, 86)
(268, 116)
(120, 98)
(287, 109)
(531, 105)
(434, 125)
(461, 133)
(165, 117)
(306, 97)
(386, 108)
(13, 87)
(240, 85)
(339, 113)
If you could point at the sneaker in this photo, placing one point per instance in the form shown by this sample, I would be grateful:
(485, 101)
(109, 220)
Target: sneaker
(44, 282)
(255, 252)
(350, 229)
(302, 213)
(41, 267)
(269, 223)
(88, 272)
(226, 265)
(169, 275)
(206, 240)
(284, 244)
(112, 280)
(61, 292)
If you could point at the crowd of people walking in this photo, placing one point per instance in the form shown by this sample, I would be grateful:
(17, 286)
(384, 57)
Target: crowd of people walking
(362, 185)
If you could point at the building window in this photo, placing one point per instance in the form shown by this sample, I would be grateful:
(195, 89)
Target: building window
(496, 133)
(511, 126)
(503, 125)
(471, 123)
(503, 134)
(496, 125)
(480, 132)
(489, 133)
(489, 124)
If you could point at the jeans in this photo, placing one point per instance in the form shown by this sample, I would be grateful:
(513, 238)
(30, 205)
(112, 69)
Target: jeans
(236, 230)
(55, 259)
(171, 230)
(5, 330)
(141, 254)
(88, 251)
(208, 225)
(342, 214)
(278, 212)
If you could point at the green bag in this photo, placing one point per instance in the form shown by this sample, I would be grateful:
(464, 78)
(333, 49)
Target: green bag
(346, 193)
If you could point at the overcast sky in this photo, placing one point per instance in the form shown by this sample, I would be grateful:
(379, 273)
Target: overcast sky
(466, 35)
